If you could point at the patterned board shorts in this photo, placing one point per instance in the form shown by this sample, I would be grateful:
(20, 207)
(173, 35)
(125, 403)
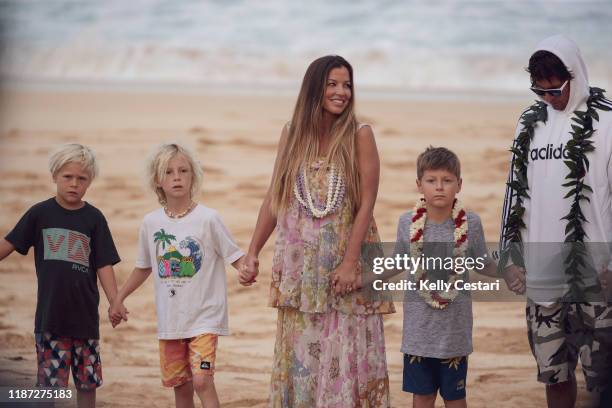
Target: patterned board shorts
(181, 359)
(56, 355)
(562, 333)
(427, 375)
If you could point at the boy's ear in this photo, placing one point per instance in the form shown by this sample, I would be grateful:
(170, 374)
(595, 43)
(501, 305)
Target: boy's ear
(459, 183)
(419, 187)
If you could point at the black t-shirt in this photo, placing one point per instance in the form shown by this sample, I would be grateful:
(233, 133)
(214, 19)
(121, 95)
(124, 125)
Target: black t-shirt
(69, 247)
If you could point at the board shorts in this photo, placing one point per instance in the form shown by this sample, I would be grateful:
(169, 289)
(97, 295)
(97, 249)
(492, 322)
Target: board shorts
(561, 334)
(58, 355)
(181, 359)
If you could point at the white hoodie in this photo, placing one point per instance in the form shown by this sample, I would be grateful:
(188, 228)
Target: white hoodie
(546, 173)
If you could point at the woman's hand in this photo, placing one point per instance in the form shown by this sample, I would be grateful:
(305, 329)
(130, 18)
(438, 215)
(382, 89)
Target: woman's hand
(345, 278)
(249, 270)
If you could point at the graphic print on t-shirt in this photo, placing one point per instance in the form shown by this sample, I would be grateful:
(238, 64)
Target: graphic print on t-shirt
(183, 262)
(65, 245)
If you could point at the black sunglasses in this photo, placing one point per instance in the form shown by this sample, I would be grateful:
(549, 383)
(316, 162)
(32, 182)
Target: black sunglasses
(551, 92)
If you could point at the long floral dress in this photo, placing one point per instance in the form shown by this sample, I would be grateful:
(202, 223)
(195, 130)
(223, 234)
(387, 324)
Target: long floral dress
(330, 350)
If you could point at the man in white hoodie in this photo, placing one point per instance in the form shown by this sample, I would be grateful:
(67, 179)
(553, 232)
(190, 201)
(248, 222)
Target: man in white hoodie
(559, 193)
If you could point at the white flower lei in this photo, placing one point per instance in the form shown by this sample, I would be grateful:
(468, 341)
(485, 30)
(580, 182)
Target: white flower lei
(335, 193)
(417, 231)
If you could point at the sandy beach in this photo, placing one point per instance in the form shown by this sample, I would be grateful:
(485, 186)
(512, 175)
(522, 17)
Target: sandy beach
(235, 137)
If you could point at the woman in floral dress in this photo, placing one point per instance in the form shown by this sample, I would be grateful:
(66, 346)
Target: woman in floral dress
(330, 349)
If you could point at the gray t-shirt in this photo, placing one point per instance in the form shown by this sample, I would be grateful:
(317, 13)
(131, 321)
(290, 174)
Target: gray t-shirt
(447, 332)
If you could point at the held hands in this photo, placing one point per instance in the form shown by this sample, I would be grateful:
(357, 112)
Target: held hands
(346, 278)
(117, 312)
(248, 270)
(605, 279)
(515, 279)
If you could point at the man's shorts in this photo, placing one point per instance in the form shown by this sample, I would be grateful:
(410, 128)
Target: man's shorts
(57, 354)
(561, 333)
(181, 359)
(425, 375)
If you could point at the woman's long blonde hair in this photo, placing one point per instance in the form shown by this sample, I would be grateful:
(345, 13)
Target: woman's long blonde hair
(304, 132)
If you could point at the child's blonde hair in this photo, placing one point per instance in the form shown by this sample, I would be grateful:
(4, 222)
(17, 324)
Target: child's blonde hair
(73, 153)
(158, 164)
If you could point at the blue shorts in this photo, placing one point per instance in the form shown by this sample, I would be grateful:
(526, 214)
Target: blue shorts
(425, 375)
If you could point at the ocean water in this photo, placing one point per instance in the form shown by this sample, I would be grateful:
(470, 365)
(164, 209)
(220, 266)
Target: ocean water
(419, 45)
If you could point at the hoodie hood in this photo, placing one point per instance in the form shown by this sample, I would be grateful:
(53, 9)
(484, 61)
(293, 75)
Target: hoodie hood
(567, 51)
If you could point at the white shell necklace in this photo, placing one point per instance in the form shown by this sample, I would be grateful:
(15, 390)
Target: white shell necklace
(171, 214)
(335, 193)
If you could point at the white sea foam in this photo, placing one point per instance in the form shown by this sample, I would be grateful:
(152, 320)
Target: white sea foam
(396, 45)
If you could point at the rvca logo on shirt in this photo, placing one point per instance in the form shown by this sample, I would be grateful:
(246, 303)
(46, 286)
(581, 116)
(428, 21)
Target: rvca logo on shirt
(65, 245)
(549, 152)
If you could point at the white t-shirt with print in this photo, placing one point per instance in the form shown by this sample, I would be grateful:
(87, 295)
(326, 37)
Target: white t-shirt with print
(187, 257)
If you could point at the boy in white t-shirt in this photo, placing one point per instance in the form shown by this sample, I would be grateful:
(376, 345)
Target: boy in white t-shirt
(185, 244)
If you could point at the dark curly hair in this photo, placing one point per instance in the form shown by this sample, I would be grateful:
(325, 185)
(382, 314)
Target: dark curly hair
(544, 65)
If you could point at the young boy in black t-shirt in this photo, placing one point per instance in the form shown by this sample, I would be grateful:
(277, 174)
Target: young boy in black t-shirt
(73, 247)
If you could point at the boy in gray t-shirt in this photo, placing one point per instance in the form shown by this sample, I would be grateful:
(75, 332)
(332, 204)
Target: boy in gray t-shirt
(437, 332)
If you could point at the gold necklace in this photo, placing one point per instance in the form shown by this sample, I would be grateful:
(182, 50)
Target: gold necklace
(179, 215)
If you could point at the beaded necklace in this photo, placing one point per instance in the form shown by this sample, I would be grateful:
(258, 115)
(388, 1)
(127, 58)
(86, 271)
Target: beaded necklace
(335, 193)
(181, 214)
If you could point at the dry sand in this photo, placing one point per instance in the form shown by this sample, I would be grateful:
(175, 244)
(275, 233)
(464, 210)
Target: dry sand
(235, 137)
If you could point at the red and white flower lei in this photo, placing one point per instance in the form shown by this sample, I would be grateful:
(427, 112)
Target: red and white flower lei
(435, 299)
